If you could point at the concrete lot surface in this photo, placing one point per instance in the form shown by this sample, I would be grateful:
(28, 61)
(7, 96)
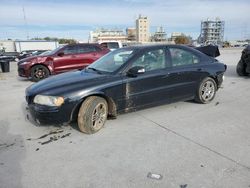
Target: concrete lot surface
(188, 144)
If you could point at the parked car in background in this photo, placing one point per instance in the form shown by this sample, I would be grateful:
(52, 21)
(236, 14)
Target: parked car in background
(124, 80)
(243, 66)
(111, 45)
(62, 59)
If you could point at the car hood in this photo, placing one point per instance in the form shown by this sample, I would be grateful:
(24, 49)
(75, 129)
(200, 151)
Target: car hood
(35, 59)
(27, 59)
(67, 83)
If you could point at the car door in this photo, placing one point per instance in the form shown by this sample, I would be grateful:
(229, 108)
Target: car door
(66, 59)
(150, 87)
(185, 73)
(87, 55)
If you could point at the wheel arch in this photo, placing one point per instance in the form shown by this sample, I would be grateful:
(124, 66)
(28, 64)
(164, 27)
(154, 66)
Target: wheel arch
(112, 110)
(40, 65)
(215, 78)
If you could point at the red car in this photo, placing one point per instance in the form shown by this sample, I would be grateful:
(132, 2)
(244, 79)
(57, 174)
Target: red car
(62, 59)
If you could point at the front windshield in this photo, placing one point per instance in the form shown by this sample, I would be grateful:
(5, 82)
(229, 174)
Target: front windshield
(55, 50)
(45, 53)
(112, 61)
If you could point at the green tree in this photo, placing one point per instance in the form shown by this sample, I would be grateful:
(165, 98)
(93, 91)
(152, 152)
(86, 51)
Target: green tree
(226, 44)
(67, 41)
(60, 40)
(181, 40)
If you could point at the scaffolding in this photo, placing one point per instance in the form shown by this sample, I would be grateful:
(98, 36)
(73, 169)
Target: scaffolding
(212, 32)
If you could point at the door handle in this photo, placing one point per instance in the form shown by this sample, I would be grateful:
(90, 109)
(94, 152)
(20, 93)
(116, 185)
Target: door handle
(199, 69)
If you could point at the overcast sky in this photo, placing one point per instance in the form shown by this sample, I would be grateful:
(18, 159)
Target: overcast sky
(75, 18)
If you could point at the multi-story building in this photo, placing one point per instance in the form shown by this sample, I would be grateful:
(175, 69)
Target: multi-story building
(160, 35)
(212, 32)
(107, 35)
(131, 33)
(142, 29)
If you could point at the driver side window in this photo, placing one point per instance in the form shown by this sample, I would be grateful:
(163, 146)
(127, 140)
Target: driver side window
(151, 60)
(70, 50)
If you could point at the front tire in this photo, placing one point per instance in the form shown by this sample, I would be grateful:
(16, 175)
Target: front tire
(206, 91)
(39, 72)
(92, 114)
(241, 69)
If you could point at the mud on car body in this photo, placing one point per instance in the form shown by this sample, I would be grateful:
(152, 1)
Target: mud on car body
(124, 80)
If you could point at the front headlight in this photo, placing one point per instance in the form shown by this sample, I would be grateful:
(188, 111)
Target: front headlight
(48, 100)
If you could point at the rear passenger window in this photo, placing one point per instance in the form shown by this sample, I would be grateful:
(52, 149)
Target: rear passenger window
(86, 49)
(97, 48)
(182, 57)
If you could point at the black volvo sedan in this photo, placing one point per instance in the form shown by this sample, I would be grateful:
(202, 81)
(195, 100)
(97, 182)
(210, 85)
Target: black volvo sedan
(125, 80)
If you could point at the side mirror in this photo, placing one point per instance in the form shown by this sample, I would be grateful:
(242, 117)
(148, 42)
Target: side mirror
(60, 54)
(134, 71)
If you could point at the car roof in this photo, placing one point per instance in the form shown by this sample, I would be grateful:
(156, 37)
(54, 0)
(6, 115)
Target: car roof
(82, 44)
(141, 47)
(185, 47)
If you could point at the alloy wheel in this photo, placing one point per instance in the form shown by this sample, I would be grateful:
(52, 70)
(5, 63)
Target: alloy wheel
(99, 116)
(207, 90)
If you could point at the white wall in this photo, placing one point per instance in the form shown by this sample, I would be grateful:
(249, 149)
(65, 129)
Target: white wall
(35, 45)
(8, 46)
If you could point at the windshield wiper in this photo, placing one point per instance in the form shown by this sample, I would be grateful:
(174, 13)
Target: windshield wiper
(94, 69)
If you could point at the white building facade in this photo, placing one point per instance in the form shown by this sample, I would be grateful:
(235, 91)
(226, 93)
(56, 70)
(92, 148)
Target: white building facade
(142, 29)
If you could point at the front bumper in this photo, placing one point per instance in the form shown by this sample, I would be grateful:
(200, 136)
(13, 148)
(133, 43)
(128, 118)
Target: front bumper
(23, 71)
(46, 115)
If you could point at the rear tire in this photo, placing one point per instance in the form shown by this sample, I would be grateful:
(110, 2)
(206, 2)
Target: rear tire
(39, 72)
(241, 69)
(92, 114)
(206, 91)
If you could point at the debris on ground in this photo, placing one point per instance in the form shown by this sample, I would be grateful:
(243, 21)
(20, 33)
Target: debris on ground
(4, 145)
(48, 141)
(183, 186)
(63, 136)
(154, 176)
(51, 139)
(217, 103)
(45, 135)
(37, 149)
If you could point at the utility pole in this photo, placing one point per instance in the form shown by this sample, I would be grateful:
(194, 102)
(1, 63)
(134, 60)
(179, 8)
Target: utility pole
(26, 24)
